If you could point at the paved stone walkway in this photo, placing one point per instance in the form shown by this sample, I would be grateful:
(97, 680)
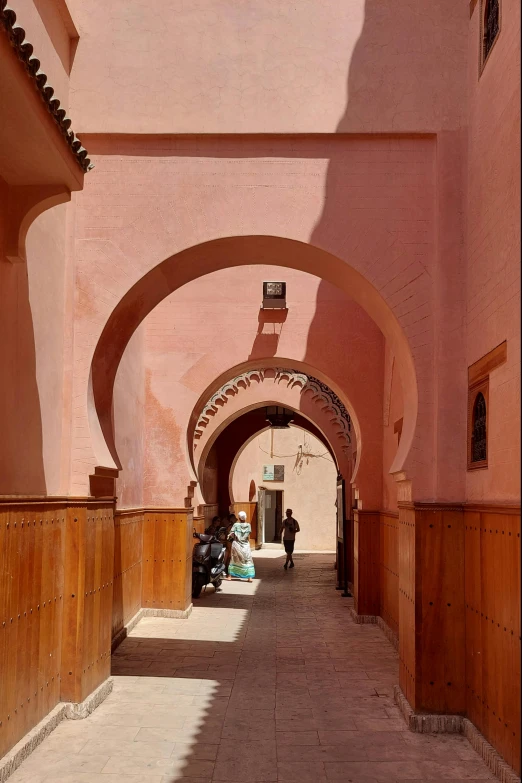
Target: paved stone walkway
(264, 682)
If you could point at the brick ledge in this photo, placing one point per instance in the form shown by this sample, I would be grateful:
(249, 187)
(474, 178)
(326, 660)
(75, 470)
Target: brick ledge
(456, 724)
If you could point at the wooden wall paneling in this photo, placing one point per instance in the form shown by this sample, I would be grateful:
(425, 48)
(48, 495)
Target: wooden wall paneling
(407, 592)
(20, 620)
(148, 560)
(36, 566)
(368, 559)
(31, 579)
(474, 691)
(454, 608)
(57, 568)
(91, 626)
(356, 560)
(514, 711)
(200, 524)
(493, 627)
(12, 627)
(89, 563)
(4, 571)
(160, 581)
(489, 558)
(107, 591)
(389, 570)
(45, 620)
(128, 563)
(440, 611)
(117, 581)
(188, 524)
(174, 547)
(430, 617)
(167, 556)
(74, 604)
(500, 567)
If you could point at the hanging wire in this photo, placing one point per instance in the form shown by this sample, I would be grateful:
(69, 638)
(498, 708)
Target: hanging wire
(303, 453)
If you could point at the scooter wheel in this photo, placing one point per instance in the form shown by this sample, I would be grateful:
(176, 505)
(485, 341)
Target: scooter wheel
(218, 583)
(197, 585)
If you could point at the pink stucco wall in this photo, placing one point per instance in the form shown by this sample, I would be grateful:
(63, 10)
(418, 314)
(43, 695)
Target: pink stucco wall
(277, 188)
(493, 239)
(48, 28)
(392, 208)
(372, 202)
(214, 324)
(393, 410)
(34, 308)
(309, 488)
(129, 419)
(36, 304)
(268, 67)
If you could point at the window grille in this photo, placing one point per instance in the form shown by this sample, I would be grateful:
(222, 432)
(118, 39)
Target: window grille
(478, 434)
(491, 25)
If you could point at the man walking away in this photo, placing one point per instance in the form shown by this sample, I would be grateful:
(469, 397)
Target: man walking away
(290, 528)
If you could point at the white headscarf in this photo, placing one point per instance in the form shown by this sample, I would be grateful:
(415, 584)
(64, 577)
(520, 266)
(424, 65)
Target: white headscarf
(242, 516)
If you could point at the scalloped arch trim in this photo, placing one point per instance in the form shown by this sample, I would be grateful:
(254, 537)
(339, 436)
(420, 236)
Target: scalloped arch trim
(319, 391)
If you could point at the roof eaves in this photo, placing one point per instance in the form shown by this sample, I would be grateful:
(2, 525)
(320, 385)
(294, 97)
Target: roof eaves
(24, 51)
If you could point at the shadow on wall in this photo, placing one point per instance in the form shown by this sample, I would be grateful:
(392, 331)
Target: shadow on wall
(21, 449)
(338, 224)
(270, 326)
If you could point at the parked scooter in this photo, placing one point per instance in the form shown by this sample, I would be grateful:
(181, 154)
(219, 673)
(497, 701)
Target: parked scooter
(208, 562)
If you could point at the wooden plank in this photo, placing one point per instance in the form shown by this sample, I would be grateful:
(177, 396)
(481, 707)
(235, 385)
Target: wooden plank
(406, 559)
(480, 369)
(148, 559)
(74, 604)
(474, 691)
(4, 602)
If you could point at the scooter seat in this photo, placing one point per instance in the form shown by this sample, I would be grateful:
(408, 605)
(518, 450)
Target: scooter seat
(204, 538)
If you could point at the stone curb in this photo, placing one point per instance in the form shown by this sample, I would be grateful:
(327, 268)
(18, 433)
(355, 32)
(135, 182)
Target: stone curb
(493, 759)
(85, 708)
(456, 724)
(176, 614)
(427, 724)
(125, 631)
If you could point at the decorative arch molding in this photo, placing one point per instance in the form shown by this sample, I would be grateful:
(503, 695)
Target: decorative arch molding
(314, 421)
(228, 252)
(319, 392)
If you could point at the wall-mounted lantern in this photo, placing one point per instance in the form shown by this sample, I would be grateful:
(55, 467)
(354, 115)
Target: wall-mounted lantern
(274, 296)
(279, 418)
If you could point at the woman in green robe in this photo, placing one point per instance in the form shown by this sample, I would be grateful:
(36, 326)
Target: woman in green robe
(241, 565)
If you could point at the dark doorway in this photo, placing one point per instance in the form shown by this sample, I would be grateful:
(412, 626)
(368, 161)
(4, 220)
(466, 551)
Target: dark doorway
(273, 516)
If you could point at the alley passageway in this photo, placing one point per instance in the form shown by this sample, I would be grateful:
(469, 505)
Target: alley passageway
(271, 681)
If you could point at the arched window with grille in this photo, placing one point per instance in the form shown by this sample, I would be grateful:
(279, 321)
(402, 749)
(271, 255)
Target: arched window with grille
(479, 450)
(490, 26)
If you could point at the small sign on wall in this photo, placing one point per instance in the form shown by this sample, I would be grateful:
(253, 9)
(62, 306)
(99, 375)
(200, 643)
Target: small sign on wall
(273, 472)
